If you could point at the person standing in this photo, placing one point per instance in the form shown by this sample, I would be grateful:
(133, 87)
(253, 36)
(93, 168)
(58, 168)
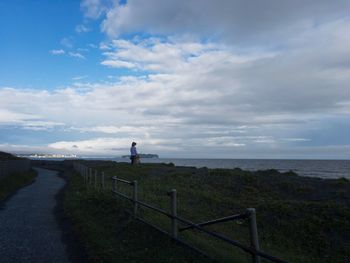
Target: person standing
(133, 153)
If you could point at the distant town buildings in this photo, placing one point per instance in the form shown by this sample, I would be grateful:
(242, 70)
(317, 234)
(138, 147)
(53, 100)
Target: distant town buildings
(39, 155)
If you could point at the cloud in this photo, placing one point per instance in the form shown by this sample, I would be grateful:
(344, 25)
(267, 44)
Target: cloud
(80, 77)
(235, 21)
(25, 149)
(76, 55)
(121, 130)
(118, 64)
(105, 46)
(57, 52)
(82, 29)
(8, 117)
(91, 45)
(195, 84)
(208, 99)
(26, 121)
(107, 145)
(181, 96)
(297, 139)
(253, 81)
(40, 125)
(93, 9)
(67, 42)
(165, 56)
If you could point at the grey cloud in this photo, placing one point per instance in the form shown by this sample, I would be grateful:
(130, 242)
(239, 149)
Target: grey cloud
(237, 21)
(161, 111)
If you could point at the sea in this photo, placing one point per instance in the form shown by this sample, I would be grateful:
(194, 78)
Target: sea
(311, 168)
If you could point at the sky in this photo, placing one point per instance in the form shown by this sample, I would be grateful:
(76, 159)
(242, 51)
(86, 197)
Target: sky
(184, 79)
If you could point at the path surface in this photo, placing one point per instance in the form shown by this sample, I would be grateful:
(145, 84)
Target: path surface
(29, 231)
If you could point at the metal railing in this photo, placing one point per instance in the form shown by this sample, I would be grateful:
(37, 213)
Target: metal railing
(249, 214)
(14, 166)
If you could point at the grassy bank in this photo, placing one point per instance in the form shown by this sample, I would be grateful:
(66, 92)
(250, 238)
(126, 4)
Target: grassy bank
(7, 156)
(299, 219)
(10, 184)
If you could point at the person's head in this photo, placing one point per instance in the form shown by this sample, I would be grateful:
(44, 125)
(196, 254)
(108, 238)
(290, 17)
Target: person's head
(133, 144)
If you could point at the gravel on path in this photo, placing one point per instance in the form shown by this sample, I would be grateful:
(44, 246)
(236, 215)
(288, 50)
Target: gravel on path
(29, 231)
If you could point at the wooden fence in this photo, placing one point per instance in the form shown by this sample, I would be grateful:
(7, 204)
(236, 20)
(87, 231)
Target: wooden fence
(97, 180)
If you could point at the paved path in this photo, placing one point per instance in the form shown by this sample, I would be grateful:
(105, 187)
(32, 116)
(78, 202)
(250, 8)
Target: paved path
(28, 228)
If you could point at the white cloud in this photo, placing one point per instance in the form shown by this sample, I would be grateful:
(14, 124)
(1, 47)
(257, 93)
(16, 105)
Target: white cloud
(67, 42)
(93, 9)
(106, 145)
(26, 121)
(26, 149)
(82, 29)
(105, 46)
(70, 54)
(156, 55)
(83, 49)
(80, 77)
(8, 117)
(57, 52)
(297, 139)
(39, 125)
(184, 97)
(91, 45)
(76, 55)
(118, 64)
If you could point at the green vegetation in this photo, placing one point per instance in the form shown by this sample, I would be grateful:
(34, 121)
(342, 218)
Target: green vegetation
(11, 183)
(300, 219)
(111, 235)
(7, 156)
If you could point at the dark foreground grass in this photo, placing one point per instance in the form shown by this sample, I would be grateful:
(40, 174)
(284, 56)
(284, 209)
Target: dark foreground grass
(7, 156)
(109, 234)
(10, 184)
(300, 219)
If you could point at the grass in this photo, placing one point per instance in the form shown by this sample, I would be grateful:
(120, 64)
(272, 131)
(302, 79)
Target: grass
(11, 183)
(7, 156)
(300, 219)
(111, 235)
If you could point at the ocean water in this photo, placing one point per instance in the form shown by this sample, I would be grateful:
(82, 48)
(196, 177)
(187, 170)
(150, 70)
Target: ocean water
(311, 168)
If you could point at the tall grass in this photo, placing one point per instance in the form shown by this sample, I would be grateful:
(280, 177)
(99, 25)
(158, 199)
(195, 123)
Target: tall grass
(111, 235)
(299, 219)
(13, 182)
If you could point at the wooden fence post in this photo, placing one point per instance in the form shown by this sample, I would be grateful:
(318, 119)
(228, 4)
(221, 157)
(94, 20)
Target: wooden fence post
(90, 176)
(95, 179)
(86, 176)
(173, 203)
(135, 197)
(253, 230)
(114, 187)
(103, 180)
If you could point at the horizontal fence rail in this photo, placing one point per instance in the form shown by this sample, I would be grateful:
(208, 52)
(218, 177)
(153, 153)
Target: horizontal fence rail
(14, 166)
(219, 220)
(249, 214)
